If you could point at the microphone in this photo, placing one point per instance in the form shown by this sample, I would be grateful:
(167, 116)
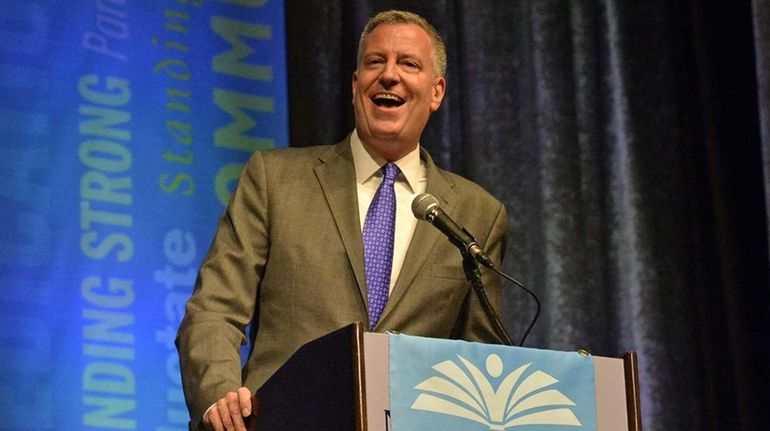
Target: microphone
(426, 207)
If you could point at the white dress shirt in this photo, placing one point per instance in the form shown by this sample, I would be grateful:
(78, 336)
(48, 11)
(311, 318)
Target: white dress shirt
(410, 182)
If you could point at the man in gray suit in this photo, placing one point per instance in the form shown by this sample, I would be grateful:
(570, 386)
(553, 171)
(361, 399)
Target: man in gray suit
(288, 256)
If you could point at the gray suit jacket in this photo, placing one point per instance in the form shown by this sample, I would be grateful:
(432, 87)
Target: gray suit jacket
(288, 258)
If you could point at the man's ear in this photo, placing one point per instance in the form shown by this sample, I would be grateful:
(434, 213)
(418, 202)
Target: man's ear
(439, 89)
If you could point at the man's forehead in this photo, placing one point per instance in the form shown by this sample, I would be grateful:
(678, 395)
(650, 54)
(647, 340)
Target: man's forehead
(410, 34)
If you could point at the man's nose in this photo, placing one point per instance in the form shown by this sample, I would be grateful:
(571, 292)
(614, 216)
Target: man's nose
(390, 75)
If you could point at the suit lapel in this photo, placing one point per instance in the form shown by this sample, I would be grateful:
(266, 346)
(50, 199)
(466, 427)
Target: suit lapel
(424, 236)
(337, 177)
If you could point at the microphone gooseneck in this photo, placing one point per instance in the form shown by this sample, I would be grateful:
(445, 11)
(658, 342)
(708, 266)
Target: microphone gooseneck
(426, 207)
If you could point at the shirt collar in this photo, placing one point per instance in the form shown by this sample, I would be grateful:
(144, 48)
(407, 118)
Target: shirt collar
(367, 163)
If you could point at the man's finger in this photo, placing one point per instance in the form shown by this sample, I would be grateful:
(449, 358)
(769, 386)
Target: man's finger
(224, 414)
(213, 420)
(244, 398)
(233, 406)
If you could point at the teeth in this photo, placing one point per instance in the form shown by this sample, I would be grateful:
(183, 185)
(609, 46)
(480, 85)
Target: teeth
(388, 96)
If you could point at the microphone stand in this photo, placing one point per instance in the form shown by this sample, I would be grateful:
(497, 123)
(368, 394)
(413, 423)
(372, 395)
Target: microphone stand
(473, 275)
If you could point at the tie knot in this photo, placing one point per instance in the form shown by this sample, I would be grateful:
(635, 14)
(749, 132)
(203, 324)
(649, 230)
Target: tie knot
(390, 171)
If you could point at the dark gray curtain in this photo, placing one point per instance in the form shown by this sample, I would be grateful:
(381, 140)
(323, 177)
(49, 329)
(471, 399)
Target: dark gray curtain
(626, 139)
(762, 50)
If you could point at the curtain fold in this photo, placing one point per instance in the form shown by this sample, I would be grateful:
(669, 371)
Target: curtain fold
(624, 139)
(761, 19)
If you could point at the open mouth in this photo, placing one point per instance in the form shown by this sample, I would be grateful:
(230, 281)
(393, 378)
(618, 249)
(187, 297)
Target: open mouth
(387, 100)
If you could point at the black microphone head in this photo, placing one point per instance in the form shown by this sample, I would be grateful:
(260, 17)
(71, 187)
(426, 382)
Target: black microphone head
(422, 204)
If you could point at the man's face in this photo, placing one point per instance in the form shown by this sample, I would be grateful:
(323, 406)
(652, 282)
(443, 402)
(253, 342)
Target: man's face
(394, 89)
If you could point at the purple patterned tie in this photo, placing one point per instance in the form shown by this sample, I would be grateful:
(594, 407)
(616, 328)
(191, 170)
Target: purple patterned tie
(379, 227)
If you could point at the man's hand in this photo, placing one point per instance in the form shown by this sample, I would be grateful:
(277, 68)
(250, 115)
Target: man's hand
(228, 413)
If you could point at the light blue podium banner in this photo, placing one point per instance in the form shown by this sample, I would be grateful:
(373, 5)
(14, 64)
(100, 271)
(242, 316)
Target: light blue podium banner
(123, 127)
(455, 385)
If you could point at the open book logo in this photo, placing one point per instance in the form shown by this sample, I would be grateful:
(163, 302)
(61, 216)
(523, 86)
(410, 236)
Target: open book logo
(521, 398)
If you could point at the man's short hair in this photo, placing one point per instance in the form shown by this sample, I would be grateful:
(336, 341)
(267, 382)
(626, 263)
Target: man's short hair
(438, 53)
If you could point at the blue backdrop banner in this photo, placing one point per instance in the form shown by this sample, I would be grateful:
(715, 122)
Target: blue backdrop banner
(123, 128)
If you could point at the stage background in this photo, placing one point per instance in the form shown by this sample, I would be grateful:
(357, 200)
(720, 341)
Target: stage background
(123, 128)
(624, 138)
(629, 141)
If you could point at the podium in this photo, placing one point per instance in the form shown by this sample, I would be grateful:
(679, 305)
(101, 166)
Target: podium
(339, 382)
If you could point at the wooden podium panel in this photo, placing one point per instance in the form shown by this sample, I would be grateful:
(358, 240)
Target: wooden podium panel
(319, 388)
